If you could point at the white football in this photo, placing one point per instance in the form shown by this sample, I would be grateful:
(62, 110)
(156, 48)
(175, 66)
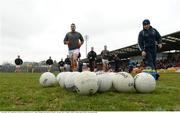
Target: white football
(59, 76)
(86, 83)
(105, 82)
(47, 79)
(123, 82)
(111, 73)
(88, 73)
(100, 72)
(144, 82)
(69, 81)
(62, 77)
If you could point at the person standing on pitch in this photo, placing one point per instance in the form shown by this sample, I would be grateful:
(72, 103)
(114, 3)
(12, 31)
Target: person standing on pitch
(61, 65)
(105, 58)
(74, 40)
(67, 64)
(92, 59)
(117, 62)
(49, 62)
(18, 62)
(149, 39)
(80, 65)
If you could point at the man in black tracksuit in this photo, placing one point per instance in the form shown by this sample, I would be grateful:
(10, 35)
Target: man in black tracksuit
(18, 61)
(92, 58)
(80, 65)
(49, 62)
(148, 40)
(61, 65)
(116, 62)
(67, 65)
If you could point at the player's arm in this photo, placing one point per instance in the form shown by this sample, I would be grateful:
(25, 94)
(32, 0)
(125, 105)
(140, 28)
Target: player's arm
(158, 39)
(51, 61)
(109, 55)
(21, 61)
(95, 54)
(15, 61)
(101, 54)
(66, 41)
(47, 61)
(87, 56)
(140, 42)
(81, 39)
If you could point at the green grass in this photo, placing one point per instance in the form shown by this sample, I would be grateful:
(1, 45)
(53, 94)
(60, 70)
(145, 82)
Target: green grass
(22, 92)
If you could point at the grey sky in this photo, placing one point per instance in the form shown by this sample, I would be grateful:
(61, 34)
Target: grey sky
(35, 29)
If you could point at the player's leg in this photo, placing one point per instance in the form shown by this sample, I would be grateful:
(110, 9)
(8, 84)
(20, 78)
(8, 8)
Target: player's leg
(149, 60)
(75, 57)
(154, 62)
(71, 59)
(153, 53)
(18, 68)
(48, 68)
(107, 65)
(91, 65)
(104, 65)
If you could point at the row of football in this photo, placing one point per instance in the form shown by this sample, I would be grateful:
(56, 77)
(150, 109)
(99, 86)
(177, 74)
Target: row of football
(88, 83)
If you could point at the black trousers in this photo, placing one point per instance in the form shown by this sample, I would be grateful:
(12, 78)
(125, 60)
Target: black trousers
(150, 58)
(92, 65)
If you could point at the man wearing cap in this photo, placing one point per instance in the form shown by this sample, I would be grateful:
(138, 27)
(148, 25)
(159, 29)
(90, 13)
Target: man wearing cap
(149, 39)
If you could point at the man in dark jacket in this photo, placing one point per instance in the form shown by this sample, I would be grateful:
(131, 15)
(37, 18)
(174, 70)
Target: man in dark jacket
(18, 62)
(92, 59)
(49, 62)
(80, 65)
(67, 64)
(117, 62)
(149, 39)
(74, 40)
(61, 65)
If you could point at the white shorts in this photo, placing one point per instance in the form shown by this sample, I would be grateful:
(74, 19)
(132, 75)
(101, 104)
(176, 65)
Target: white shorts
(67, 67)
(18, 66)
(49, 66)
(105, 61)
(61, 68)
(75, 51)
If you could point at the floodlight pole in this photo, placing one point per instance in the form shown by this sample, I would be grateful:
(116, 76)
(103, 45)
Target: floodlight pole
(86, 39)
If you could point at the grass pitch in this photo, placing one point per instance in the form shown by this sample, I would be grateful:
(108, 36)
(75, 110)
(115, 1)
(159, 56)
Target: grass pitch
(22, 92)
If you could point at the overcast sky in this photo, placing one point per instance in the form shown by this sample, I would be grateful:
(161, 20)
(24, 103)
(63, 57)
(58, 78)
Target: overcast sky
(35, 29)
